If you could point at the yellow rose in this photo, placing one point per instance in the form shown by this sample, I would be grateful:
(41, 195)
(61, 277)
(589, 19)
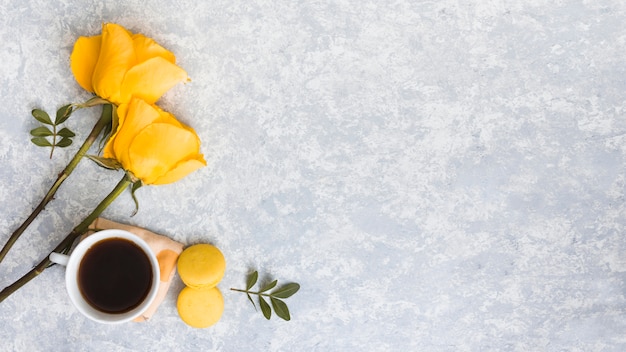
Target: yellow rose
(118, 65)
(153, 145)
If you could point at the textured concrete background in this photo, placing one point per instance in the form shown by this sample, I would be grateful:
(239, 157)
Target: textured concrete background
(437, 175)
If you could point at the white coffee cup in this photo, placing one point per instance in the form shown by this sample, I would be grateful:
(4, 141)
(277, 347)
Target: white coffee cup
(73, 262)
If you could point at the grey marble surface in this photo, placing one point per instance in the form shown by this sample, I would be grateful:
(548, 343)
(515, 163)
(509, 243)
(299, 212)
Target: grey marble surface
(437, 175)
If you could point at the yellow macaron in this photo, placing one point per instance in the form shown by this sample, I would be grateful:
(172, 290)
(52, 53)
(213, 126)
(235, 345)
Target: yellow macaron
(200, 308)
(201, 266)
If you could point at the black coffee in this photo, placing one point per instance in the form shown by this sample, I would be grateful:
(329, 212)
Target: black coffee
(115, 275)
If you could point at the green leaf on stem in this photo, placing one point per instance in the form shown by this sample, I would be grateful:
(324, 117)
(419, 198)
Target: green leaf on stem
(265, 308)
(66, 132)
(115, 119)
(42, 116)
(93, 102)
(135, 186)
(63, 114)
(109, 110)
(286, 291)
(280, 308)
(269, 286)
(252, 280)
(41, 131)
(61, 138)
(64, 142)
(107, 163)
(41, 142)
(251, 301)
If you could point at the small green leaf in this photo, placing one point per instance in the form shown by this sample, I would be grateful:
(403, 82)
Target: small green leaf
(108, 111)
(93, 102)
(265, 308)
(66, 132)
(107, 163)
(41, 131)
(251, 301)
(252, 280)
(104, 137)
(115, 119)
(269, 286)
(63, 114)
(42, 116)
(136, 185)
(280, 308)
(41, 141)
(64, 142)
(286, 291)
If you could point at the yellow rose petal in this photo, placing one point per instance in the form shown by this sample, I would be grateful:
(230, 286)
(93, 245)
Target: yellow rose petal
(181, 170)
(150, 79)
(146, 48)
(134, 117)
(116, 57)
(84, 58)
(159, 148)
(166, 117)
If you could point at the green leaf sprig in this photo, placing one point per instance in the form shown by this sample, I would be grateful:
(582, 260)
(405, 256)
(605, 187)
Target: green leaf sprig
(60, 138)
(280, 307)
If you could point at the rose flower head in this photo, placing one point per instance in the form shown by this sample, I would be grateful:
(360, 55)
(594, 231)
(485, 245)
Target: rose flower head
(153, 145)
(118, 65)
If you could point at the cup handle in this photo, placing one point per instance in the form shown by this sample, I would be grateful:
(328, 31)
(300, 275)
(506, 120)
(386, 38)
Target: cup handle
(59, 258)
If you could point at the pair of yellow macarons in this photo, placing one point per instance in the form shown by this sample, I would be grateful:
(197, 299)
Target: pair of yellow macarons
(201, 267)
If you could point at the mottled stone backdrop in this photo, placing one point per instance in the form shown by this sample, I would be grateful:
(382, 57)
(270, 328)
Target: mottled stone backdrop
(437, 175)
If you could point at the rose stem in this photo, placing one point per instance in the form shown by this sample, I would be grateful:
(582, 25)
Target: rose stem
(105, 119)
(69, 239)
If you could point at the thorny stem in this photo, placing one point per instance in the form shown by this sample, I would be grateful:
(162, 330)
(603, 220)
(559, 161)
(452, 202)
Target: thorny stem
(105, 119)
(69, 239)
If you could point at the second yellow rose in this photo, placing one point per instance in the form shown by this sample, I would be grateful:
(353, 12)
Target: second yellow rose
(153, 145)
